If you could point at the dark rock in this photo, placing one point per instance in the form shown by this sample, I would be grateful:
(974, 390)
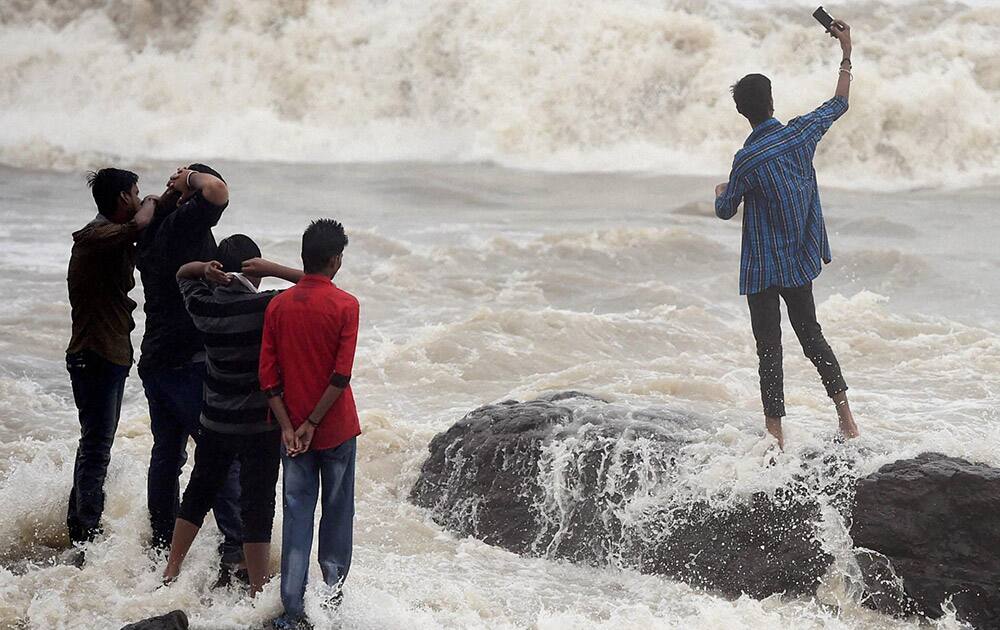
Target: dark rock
(573, 477)
(175, 620)
(929, 530)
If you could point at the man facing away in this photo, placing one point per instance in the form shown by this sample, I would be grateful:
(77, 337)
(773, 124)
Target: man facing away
(306, 359)
(172, 363)
(101, 274)
(234, 417)
(784, 237)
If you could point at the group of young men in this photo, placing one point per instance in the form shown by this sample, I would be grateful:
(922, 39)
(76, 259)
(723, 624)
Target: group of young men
(259, 379)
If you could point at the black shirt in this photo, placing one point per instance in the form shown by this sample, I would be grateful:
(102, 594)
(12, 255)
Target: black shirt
(173, 238)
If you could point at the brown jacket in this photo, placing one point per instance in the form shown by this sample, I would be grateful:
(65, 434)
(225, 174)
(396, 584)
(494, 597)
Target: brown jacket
(100, 276)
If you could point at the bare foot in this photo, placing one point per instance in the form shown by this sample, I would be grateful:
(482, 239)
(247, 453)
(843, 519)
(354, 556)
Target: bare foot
(773, 426)
(848, 428)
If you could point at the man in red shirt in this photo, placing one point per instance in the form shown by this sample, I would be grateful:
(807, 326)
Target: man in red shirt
(306, 359)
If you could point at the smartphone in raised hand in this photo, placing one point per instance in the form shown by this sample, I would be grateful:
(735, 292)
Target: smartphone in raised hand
(824, 18)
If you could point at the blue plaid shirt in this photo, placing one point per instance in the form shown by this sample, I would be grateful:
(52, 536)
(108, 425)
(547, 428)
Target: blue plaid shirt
(784, 237)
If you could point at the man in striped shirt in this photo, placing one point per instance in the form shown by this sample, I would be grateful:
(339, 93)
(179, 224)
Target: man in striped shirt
(226, 307)
(784, 238)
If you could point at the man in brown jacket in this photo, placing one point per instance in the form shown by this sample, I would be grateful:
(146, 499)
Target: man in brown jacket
(99, 355)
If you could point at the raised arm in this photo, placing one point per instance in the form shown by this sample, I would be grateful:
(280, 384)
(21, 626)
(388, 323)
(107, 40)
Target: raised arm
(263, 268)
(213, 189)
(210, 271)
(109, 235)
(144, 216)
(842, 32)
(204, 199)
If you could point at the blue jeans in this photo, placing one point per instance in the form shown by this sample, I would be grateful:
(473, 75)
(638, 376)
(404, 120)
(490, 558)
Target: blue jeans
(332, 470)
(98, 387)
(175, 396)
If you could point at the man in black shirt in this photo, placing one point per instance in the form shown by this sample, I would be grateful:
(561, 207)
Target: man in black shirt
(172, 360)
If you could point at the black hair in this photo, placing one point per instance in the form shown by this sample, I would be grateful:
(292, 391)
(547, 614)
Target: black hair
(107, 184)
(236, 249)
(322, 240)
(752, 94)
(201, 168)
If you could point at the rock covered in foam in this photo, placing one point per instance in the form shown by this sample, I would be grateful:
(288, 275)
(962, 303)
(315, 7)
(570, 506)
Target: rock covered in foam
(569, 476)
(928, 530)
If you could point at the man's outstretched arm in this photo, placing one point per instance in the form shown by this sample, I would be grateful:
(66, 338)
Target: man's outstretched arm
(210, 271)
(817, 122)
(842, 31)
(263, 268)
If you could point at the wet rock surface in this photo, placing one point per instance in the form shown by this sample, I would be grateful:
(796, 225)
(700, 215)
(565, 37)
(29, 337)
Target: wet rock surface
(572, 477)
(928, 531)
(569, 476)
(174, 620)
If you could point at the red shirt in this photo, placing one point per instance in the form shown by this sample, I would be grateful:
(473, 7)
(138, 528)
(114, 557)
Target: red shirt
(310, 334)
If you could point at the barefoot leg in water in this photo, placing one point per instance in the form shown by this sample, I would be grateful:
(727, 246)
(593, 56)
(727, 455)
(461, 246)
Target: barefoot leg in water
(848, 428)
(774, 428)
(184, 535)
(258, 557)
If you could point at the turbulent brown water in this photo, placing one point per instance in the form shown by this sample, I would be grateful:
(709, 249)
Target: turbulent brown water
(479, 283)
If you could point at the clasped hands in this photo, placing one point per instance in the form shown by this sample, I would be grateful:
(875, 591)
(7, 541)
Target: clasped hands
(297, 441)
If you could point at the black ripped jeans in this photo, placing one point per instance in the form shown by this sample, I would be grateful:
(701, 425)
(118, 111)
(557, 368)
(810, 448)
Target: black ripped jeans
(765, 317)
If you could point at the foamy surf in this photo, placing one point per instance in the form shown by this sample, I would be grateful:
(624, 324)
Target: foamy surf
(480, 284)
(582, 86)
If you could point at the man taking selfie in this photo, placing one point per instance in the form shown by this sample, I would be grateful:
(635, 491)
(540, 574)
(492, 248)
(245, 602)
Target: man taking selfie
(784, 237)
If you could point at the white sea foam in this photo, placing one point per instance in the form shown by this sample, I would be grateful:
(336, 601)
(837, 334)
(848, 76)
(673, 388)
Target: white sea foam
(480, 284)
(587, 85)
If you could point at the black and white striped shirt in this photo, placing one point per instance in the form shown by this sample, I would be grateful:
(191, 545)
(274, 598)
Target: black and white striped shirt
(232, 321)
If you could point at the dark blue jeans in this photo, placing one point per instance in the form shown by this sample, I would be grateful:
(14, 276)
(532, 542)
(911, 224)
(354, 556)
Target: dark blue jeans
(98, 386)
(175, 396)
(304, 475)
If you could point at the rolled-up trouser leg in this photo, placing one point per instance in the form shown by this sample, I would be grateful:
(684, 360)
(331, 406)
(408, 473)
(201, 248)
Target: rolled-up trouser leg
(765, 319)
(802, 313)
(213, 458)
(260, 459)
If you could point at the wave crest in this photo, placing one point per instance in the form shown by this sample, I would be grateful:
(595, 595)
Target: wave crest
(585, 86)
